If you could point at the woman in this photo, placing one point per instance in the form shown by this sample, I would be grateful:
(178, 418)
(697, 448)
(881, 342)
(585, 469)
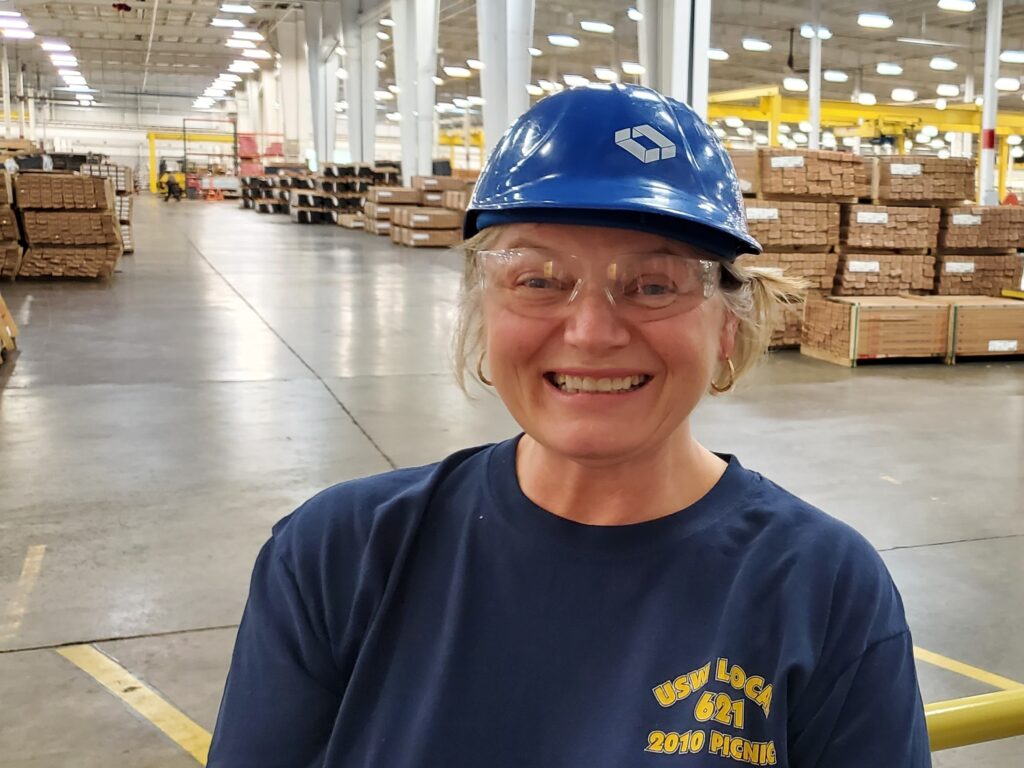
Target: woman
(602, 590)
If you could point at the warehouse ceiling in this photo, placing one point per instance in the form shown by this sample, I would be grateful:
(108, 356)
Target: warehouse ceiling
(140, 52)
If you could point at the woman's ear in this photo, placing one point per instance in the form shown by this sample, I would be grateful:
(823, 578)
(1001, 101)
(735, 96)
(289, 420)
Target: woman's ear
(727, 335)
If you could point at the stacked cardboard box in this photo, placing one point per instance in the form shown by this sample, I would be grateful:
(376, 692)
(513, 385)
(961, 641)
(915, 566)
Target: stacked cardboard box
(123, 180)
(10, 260)
(818, 173)
(844, 330)
(71, 228)
(979, 274)
(884, 274)
(381, 202)
(982, 227)
(984, 325)
(881, 226)
(435, 187)
(900, 179)
(425, 227)
(786, 223)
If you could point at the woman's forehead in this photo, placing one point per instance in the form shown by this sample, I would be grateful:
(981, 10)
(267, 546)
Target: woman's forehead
(582, 240)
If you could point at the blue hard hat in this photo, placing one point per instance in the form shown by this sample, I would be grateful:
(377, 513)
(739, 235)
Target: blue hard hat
(615, 155)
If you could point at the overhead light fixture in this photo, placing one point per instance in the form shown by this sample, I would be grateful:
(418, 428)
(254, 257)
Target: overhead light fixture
(949, 90)
(437, 80)
(69, 73)
(230, 8)
(597, 26)
(903, 95)
(457, 72)
(381, 64)
(1013, 139)
(546, 85)
(720, 133)
(1017, 153)
(795, 84)
(76, 88)
(84, 96)
(931, 131)
(944, 154)
(74, 80)
(563, 41)
(575, 81)
(394, 116)
(243, 67)
(247, 34)
(215, 93)
(907, 145)
(828, 140)
(10, 14)
(783, 128)
(1008, 84)
(233, 43)
(940, 103)
(850, 141)
(55, 46)
(257, 53)
(807, 31)
(755, 44)
(733, 122)
(8, 23)
(866, 99)
(474, 64)
(1012, 57)
(634, 15)
(888, 68)
(383, 95)
(949, 135)
(341, 73)
(535, 51)
(760, 138)
(606, 74)
(476, 101)
(461, 103)
(929, 41)
(632, 68)
(60, 60)
(227, 23)
(874, 20)
(835, 76)
(382, 35)
(942, 64)
(386, 22)
(393, 88)
(230, 78)
(717, 54)
(19, 34)
(805, 126)
(534, 90)
(745, 130)
(223, 85)
(960, 6)
(979, 101)
(800, 138)
(937, 144)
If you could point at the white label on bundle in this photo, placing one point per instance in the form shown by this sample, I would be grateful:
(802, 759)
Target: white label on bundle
(762, 214)
(1002, 345)
(905, 169)
(872, 217)
(382, 193)
(789, 161)
(966, 220)
(959, 267)
(420, 236)
(863, 266)
(420, 217)
(384, 209)
(429, 182)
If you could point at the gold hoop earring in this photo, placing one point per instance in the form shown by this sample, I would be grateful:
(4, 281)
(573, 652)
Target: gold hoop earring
(480, 371)
(732, 378)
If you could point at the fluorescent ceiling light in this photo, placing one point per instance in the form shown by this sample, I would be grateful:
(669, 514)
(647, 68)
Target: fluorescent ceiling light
(76, 88)
(243, 67)
(75, 80)
(634, 15)
(795, 84)
(395, 116)
(979, 101)
(340, 106)
(1012, 57)
(754, 44)
(476, 101)
(229, 8)
(944, 154)
(534, 90)
(948, 89)
(474, 64)
(888, 68)
(874, 20)
(387, 22)
(929, 131)
(717, 54)
(381, 64)
(940, 103)
(563, 41)
(69, 73)
(63, 61)
(575, 81)
(457, 72)
(597, 26)
(800, 138)
(942, 64)
(535, 51)
(383, 95)
(393, 88)
(902, 95)
(720, 133)
(760, 138)
(257, 53)
(828, 139)
(632, 68)
(19, 34)
(460, 103)
(230, 78)
(606, 74)
(215, 93)
(13, 23)
(961, 6)
(227, 23)
(807, 31)
(10, 14)
(437, 80)
(866, 99)
(733, 122)
(233, 43)
(1008, 84)
(745, 130)
(835, 76)
(247, 34)
(805, 126)
(55, 46)
(850, 141)
(937, 144)
(1017, 152)
(341, 73)
(546, 85)
(1013, 139)
(783, 128)
(382, 35)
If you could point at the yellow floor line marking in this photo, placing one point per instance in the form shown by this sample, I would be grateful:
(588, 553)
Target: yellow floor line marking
(181, 729)
(30, 569)
(975, 673)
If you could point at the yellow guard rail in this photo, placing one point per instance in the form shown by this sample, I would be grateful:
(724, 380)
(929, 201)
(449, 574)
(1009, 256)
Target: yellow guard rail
(976, 719)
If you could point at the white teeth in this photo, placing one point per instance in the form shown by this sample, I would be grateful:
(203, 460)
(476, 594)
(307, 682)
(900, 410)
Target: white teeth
(576, 384)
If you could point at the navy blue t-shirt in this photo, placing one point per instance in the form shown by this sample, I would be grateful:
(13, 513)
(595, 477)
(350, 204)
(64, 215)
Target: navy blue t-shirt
(437, 618)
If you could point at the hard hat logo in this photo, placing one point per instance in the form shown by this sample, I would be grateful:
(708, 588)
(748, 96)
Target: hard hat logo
(627, 139)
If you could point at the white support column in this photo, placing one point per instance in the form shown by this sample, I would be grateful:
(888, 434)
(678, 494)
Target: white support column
(354, 80)
(520, 62)
(21, 101)
(313, 21)
(270, 109)
(404, 35)
(814, 95)
(987, 192)
(426, 67)
(5, 73)
(647, 31)
(252, 106)
(32, 114)
(332, 60)
(492, 44)
(674, 36)
(368, 48)
(294, 91)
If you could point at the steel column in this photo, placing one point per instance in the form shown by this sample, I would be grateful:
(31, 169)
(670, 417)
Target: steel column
(520, 62)
(426, 67)
(987, 193)
(674, 36)
(814, 77)
(492, 42)
(369, 47)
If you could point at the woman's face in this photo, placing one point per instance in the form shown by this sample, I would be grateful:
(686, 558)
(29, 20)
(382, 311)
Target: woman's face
(530, 353)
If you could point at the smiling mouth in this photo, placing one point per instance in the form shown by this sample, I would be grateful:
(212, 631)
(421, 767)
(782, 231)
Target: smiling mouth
(574, 385)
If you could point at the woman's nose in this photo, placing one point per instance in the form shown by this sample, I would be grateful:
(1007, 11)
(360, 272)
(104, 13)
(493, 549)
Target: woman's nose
(593, 320)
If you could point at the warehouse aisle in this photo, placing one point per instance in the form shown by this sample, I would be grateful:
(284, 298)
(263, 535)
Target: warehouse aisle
(152, 429)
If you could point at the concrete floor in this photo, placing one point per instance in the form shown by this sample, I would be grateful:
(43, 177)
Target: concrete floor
(153, 428)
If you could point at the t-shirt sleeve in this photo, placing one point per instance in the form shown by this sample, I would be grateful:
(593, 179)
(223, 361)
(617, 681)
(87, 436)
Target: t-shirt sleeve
(871, 714)
(279, 703)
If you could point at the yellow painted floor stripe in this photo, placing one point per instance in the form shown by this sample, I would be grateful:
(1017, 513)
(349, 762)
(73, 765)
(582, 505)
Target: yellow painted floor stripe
(975, 673)
(181, 729)
(30, 569)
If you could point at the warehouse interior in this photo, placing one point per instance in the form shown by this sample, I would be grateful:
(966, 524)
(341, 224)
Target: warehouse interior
(229, 275)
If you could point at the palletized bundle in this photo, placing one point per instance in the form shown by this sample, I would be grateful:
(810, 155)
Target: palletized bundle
(120, 175)
(6, 189)
(9, 230)
(818, 269)
(63, 191)
(899, 179)
(881, 226)
(884, 274)
(821, 173)
(963, 274)
(127, 238)
(745, 162)
(46, 261)
(71, 228)
(783, 224)
(123, 208)
(456, 200)
(984, 325)
(431, 227)
(982, 227)
(10, 260)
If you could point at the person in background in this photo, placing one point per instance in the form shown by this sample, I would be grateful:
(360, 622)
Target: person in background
(601, 590)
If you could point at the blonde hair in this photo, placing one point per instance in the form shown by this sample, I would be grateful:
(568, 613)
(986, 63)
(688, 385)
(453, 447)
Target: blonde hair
(756, 297)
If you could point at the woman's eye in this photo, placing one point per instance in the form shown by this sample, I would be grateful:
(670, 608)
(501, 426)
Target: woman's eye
(652, 287)
(540, 283)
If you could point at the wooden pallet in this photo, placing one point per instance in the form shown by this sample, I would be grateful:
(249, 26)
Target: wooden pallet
(799, 248)
(8, 331)
(779, 197)
(976, 251)
(919, 203)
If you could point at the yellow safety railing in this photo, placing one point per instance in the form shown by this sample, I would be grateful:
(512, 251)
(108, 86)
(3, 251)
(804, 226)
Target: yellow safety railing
(961, 722)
